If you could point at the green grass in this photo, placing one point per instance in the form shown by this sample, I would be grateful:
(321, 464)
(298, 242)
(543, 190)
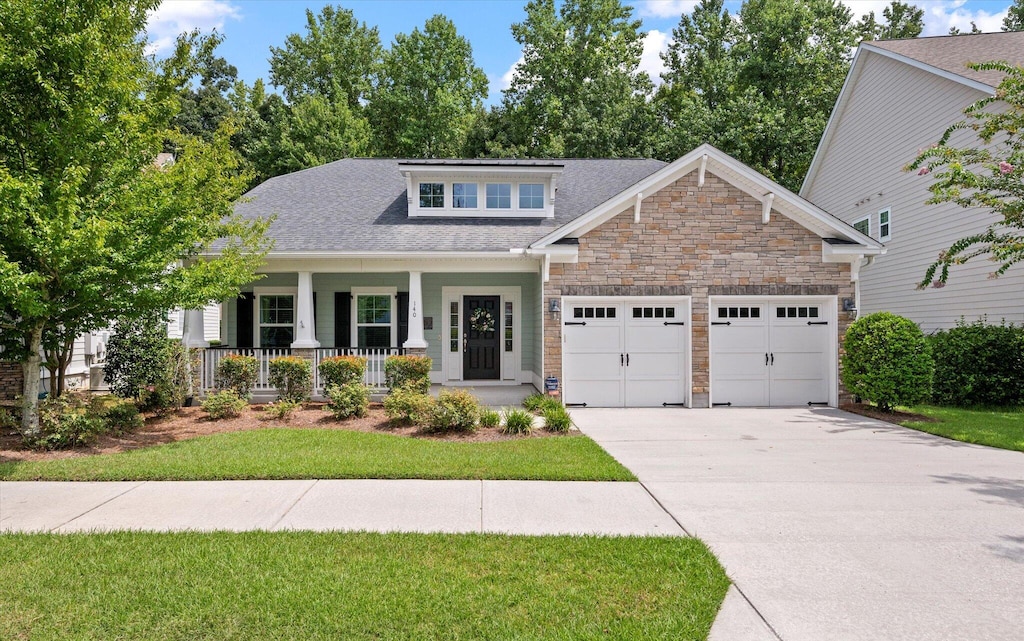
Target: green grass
(1003, 428)
(334, 454)
(297, 585)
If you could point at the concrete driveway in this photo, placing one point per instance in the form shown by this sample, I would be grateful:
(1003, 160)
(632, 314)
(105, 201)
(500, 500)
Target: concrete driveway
(838, 527)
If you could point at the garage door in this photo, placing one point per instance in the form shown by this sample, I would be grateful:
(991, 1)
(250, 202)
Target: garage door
(624, 352)
(771, 352)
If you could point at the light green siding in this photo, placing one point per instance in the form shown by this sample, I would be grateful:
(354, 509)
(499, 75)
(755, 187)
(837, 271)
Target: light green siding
(325, 285)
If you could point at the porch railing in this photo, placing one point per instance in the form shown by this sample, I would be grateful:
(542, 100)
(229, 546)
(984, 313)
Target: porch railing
(374, 364)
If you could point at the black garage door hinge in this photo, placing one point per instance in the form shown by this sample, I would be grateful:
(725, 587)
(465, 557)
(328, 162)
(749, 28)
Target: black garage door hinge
(721, 323)
(721, 404)
(575, 323)
(676, 323)
(673, 404)
(575, 404)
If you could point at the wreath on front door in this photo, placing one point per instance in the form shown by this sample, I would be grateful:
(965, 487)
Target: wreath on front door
(481, 320)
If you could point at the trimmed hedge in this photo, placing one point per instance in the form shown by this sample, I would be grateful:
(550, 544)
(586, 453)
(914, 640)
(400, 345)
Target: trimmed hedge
(239, 373)
(888, 361)
(978, 364)
(336, 371)
(292, 376)
(408, 372)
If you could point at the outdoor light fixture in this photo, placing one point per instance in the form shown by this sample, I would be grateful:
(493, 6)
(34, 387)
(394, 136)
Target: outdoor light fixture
(555, 307)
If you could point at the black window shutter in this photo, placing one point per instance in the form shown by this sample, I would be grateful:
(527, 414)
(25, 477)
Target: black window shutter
(403, 318)
(342, 319)
(243, 324)
(314, 313)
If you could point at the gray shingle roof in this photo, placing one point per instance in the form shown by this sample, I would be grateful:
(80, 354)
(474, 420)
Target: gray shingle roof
(952, 53)
(359, 204)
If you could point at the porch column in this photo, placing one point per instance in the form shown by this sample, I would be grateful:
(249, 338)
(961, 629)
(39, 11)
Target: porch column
(305, 331)
(193, 332)
(415, 340)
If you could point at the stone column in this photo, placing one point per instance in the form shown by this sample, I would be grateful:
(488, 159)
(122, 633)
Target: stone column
(416, 343)
(305, 331)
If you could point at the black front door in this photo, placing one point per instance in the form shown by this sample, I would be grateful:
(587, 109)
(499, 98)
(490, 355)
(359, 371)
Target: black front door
(481, 337)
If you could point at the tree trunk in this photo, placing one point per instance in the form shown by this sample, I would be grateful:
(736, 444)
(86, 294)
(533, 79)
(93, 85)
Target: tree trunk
(30, 368)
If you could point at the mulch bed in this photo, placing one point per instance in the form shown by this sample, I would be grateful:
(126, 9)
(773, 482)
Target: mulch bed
(895, 416)
(190, 422)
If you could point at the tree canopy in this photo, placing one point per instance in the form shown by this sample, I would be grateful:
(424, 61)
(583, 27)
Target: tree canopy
(90, 229)
(988, 174)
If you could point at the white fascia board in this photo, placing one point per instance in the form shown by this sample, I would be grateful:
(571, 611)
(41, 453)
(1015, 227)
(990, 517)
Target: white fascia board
(461, 170)
(554, 253)
(846, 253)
(851, 77)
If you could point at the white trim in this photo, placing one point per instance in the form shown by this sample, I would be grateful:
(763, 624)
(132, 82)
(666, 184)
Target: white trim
(686, 301)
(356, 292)
(451, 362)
(257, 292)
(515, 182)
(856, 68)
(888, 224)
(860, 220)
(736, 173)
(636, 206)
(831, 307)
(766, 207)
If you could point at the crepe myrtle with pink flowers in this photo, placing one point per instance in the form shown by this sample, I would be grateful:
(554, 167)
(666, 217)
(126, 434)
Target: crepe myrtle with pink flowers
(989, 175)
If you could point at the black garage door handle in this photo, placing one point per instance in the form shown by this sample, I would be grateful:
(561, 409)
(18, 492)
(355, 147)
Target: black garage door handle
(575, 323)
(679, 323)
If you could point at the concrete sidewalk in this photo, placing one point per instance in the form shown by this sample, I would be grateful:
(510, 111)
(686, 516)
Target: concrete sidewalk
(515, 507)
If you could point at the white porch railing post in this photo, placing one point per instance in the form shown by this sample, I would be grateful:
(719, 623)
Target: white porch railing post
(305, 331)
(416, 339)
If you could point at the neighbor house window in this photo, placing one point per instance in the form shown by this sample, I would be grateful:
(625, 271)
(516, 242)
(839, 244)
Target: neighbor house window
(499, 196)
(464, 196)
(531, 196)
(277, 320)
(373, 320)
(863, 225)
(431, 195)
(884, 225)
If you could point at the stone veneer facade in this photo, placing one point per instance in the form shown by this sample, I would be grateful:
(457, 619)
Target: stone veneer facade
(696, 242)
(12, 381)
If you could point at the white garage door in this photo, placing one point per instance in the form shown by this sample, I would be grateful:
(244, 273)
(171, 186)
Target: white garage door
(771, 352)
(624, 352)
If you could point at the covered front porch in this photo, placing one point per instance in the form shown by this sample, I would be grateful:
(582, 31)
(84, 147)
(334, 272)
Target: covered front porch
(478, 320)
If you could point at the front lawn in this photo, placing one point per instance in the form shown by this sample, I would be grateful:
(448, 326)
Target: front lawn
(1003, 428)
(297, 585)
(290, 453)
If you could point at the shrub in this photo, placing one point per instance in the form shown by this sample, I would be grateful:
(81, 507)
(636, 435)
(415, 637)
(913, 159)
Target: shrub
(122, 418)
(350, 399)
(136, 356)
(338, 370)
(64, 422)
(408, 371)
(408, 406)
(171, 388)
(455, 410)
(887, 361)
(489, 417)
(517, 421)
(223, 404)
(978, 364)
(281, 410)
(292, 376)
(8, 421)
(238, 372)
(557, 419)
(539, 403)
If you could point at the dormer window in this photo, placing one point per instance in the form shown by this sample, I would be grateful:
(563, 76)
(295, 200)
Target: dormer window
(464, 195)
(481, 188)
(499, 196)
(531, 196)
(432, 195)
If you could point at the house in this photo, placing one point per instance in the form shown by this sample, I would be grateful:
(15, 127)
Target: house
(630, 282)
(899, 97)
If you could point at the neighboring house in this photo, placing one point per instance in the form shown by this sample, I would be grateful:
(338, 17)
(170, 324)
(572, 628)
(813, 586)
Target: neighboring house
(899, 97)
(633, 282)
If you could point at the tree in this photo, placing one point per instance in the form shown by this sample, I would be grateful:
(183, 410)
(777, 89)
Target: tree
(204, 108)
(955, 31)
(90, 230)
(335, 59)
(1014, 20)
(427, 92)
(989, 174)
(902, 20)
(579, 91)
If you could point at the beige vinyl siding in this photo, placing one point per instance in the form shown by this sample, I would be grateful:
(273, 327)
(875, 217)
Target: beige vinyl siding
(895, 110)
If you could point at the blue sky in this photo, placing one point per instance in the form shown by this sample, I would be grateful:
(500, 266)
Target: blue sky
(251, 27)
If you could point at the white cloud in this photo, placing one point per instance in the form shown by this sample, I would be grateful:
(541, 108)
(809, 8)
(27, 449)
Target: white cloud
(506, 78)
(667, 8)
(174, 17)
(863, 7)
(940, 16)
(655, 42)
